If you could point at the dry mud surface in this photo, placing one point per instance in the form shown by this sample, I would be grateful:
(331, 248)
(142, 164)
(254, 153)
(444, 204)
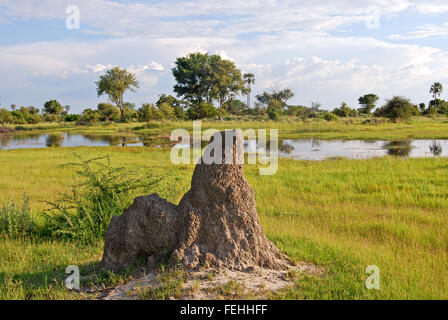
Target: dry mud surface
(211, 284)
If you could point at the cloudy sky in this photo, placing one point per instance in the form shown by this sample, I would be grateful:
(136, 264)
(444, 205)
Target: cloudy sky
(326, 51)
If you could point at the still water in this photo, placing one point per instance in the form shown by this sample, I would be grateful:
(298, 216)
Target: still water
(304, 149)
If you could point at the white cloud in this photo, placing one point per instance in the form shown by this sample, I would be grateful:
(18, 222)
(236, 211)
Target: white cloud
(288, 43)
(424, 32)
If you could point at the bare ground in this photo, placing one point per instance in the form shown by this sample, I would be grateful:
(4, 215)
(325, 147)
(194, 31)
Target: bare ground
(212, 284)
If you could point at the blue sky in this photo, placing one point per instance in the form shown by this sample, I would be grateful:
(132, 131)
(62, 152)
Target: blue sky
(326, 51)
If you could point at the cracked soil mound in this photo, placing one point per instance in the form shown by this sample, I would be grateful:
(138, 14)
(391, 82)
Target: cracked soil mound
(215, 224)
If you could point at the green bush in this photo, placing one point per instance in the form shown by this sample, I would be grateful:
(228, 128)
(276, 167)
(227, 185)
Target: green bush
(16, 220)
(330, 116)
(103, 191)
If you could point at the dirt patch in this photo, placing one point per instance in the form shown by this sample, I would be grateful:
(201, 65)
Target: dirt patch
(211, 284)
(6, 130)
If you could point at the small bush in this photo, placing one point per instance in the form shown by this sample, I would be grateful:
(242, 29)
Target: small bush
(16, 220)
(104, 191)
(330, 116)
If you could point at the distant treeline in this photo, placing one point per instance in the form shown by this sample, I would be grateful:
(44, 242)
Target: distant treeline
(207, 86)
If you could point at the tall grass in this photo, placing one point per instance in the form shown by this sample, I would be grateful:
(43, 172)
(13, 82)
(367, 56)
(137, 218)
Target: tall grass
(103, 191)
(342, 215)
(15, 219)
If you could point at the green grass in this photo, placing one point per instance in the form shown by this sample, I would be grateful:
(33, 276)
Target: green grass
(343, 215)
(289, 127)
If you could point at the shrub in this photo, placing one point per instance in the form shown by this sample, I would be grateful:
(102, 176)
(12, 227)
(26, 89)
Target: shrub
(103, 191)
(201, 110)
(330, 116)
(397, 108)
(72, 118)
(16, 220)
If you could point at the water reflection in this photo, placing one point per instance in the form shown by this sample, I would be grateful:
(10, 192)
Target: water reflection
(54, 140)
(285, 147)
(399, 148)
(435, 149)
(304, 149)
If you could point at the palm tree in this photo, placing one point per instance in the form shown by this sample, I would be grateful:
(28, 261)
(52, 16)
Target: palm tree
(249, 79)
(436, 90)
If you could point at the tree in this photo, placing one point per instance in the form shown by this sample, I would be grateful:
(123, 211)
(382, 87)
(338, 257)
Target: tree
(89, 116)
(345, 111)
(274, 109)
(108, 112)
(249, 79)
(13, 107)
(179, 106)
(226, 79)
(315, 107)
(115, 83)
(53, 107)
(201, 77)
(149, 112)
(397, 108)
(192, 75)
(368, 103)
(281, 96)
(436, 90)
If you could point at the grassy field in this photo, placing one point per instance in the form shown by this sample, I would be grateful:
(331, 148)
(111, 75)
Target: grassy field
(343, 215)
(352, 128)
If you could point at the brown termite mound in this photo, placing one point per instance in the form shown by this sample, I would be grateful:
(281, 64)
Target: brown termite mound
(215, 224)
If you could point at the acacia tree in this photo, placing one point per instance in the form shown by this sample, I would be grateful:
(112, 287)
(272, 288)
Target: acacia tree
(249, 79)
(280, 96)
(436, 90)
(368, 103)
(115, 83)
(202, 78)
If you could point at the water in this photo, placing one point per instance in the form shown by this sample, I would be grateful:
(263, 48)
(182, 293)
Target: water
(303, 149)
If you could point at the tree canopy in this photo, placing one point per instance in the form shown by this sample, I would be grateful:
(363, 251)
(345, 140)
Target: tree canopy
(115, 83)
(201, 77)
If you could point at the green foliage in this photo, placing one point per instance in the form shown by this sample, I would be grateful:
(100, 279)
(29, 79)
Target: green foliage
(108, 112)
(205, 78)
(104, 191)
(274, 109)
(15, 219)
(72, 118)
(53, 107)
(329, 116)
(201, 110)
(149, 112)
(178, 105)
(89, 116)
(368, 103)
(280, 96)
(397, 108)
(22, 116)
(438, 106)
(436, 90)
(345, 111)
(301, 112)
(167, 111)
(115, 83)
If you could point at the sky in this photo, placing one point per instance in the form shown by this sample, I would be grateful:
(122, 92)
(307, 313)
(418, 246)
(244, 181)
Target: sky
(326, 51)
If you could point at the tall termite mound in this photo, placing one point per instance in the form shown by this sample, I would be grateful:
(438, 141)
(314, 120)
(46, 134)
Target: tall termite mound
(216, 222)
